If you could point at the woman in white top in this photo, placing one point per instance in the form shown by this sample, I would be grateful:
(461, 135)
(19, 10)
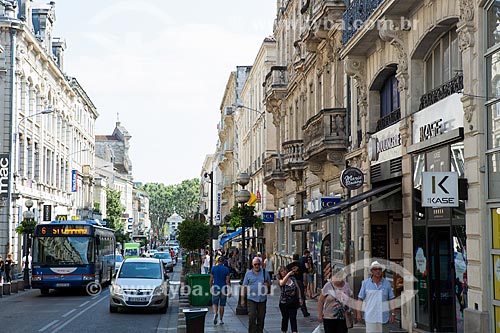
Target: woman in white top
(333, 304)
(206, 262)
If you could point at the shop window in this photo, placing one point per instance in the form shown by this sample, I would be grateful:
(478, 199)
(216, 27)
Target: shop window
(443, 62)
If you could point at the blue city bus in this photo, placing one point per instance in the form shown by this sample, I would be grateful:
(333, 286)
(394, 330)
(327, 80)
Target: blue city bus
(69, 254)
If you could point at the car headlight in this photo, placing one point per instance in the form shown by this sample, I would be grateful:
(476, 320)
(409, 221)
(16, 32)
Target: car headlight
(116, 289)
(158, 291)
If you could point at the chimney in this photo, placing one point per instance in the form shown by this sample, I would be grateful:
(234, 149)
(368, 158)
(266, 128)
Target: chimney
(24, 13)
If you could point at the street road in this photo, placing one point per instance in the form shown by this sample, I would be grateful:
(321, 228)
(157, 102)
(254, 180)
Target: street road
(75, 311)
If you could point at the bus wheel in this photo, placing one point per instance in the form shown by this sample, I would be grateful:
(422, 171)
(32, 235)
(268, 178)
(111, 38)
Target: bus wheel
(44, 291)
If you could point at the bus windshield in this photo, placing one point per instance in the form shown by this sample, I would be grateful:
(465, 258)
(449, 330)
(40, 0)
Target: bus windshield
(63, 251)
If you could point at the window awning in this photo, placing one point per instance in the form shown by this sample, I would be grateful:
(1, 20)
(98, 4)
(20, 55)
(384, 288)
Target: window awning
(346, 204)
(229, 237)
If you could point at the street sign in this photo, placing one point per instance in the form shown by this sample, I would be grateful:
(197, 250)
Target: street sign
(439, 189)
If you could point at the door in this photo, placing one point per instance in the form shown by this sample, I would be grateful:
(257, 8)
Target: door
(441, 279)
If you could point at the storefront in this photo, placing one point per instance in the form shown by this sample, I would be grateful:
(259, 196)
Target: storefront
(440, 257)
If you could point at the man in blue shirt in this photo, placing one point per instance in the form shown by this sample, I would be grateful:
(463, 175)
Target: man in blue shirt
(255, 283)
(220, 285)
(376, 292)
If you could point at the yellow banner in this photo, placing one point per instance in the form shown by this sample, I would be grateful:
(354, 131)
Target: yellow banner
(253, 199)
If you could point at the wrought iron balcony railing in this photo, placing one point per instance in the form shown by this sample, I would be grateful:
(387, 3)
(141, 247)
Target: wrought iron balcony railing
(356, 15)
(389, 119)
(451, 87)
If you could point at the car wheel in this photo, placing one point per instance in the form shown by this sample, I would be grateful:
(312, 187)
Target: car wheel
(113, 309)
(44, 291)
(163, 310)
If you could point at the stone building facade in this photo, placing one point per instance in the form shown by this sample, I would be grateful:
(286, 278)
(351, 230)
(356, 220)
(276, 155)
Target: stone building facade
(47, 138)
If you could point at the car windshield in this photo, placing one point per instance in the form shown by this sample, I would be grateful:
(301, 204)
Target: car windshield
(119, 258)
(140, 270)
(162, 255)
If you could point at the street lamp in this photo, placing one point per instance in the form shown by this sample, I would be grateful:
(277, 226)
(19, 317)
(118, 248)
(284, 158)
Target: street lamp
(28, 217)
(242, 197)
(261, 113)
(210, 175)
(46, 111)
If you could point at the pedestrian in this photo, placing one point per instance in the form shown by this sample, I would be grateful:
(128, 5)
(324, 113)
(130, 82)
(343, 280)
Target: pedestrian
(310, 276)
(206, 262)
(29, 262)
(255, 284)
(378, 298)
(2, 269)
(289, 298)
(220, 286)
(9, 263)
(334, 304)
(269, 265)
(300, 277)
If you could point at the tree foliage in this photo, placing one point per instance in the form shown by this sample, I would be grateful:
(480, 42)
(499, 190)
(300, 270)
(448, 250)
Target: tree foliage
(164, 200)
(114, 211)
(193, 234)
(244, 214)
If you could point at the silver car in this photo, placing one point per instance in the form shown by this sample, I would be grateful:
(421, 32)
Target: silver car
(167, 260)
(140, 283)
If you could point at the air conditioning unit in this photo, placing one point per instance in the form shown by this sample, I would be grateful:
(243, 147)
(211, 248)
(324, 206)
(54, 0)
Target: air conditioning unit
(228, 110)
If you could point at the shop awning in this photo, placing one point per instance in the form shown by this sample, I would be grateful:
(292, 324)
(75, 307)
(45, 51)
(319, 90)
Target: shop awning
(229, 237)
(386, 190)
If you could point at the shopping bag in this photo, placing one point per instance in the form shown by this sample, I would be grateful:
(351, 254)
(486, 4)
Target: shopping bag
(319, 329)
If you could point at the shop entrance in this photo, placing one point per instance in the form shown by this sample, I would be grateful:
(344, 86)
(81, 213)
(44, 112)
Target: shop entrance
(441, 278)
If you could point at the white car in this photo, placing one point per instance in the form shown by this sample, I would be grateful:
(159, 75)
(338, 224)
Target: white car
(150, 253)
(140, 283)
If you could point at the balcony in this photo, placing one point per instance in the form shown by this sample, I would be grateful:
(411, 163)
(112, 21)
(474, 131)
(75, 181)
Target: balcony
(274, 176)
(389, 120)
(451, 87)
(325, 138)
(293, 155)
(275, 85)
(358, 12)
(322, 14)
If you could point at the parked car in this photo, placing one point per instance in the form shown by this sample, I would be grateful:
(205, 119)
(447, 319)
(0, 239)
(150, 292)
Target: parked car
(140, 283)
(118, 262)
(167, 260)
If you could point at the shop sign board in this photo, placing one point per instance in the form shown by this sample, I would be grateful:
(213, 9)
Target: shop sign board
(439, 189)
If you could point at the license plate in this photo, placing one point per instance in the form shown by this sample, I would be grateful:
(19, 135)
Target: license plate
(62, 284)
(137, 299)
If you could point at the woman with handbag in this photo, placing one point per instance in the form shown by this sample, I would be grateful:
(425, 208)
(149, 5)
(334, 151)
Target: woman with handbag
(290, 298)
(333, 305)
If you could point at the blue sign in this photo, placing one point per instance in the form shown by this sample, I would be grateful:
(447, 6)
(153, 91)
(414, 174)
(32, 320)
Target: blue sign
(130, 220)
(268, 217)
(219, 202)
(74, 181)
(327, 202)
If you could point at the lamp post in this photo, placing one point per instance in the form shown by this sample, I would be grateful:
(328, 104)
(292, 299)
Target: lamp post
(210, 175)
(242, 197)
(28, 217)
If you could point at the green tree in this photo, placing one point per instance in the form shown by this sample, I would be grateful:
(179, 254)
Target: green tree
(193, 234)
(164, 200)
(114, 211)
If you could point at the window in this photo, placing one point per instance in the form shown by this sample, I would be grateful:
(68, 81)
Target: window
(443, 62)
(389, 96)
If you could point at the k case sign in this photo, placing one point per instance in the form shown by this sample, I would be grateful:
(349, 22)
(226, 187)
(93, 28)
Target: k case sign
(440, 189)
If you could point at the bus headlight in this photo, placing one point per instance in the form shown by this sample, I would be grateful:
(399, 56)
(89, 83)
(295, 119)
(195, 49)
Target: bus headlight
(88, 278)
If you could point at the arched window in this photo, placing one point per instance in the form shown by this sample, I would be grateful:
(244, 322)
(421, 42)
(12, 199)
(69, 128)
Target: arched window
(389, 97)
(443, 62)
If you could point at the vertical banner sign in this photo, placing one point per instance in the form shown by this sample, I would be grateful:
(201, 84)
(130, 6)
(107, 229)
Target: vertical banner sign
(4, 176)
(217, 215)
(47, 212)
(74, 182)
(326, 258)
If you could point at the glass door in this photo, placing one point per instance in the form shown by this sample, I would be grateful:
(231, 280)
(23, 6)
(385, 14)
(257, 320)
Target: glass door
(441, 279)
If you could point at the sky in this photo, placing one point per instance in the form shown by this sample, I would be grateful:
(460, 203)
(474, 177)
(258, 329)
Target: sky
(160, 67)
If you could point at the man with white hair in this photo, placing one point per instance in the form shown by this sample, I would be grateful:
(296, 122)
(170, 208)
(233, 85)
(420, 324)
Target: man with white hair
(376, 292)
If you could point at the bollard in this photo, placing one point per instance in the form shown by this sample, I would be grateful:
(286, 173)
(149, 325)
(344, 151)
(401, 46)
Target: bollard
(13, 287)
(20, 285)
(6, 288)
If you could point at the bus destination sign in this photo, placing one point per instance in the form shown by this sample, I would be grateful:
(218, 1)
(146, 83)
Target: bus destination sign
(63, 230)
